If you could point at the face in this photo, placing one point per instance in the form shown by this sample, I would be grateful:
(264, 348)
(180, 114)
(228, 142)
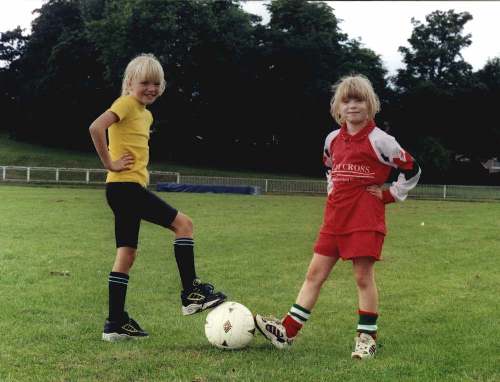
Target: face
(354, 110)
(145, 91)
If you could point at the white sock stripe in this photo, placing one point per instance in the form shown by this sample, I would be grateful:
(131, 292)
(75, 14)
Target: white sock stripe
(372, 328)
(115, 278)
(184, 244)
(117, 282)
(301, 313)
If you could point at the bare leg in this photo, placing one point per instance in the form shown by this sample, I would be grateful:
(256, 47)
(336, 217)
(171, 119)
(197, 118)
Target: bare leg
(182, 226)
(281, 333)
(125, 257)
(319, 270)
(364, 274)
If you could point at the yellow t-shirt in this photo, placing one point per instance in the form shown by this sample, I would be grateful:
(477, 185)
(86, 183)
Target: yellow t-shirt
(130, 135)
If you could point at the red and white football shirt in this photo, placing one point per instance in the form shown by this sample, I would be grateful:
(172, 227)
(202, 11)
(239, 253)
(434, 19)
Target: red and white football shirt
(355, 162)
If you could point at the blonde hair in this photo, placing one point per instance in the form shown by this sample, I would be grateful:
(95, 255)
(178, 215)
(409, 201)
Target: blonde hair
(145, 67)
(353, 86)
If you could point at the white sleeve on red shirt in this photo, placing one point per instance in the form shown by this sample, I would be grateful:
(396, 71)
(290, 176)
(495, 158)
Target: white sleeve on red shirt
(389, 152)
(328, 159)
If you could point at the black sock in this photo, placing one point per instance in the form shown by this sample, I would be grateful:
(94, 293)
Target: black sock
(184, 255)
(117, 283)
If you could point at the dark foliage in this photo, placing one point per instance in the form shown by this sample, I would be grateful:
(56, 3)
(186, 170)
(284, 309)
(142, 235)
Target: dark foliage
(245, 95)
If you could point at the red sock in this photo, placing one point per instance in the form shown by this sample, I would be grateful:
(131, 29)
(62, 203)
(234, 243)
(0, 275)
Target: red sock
(292, 327)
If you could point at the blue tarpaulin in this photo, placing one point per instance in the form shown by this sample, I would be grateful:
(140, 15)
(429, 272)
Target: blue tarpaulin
(182, 187)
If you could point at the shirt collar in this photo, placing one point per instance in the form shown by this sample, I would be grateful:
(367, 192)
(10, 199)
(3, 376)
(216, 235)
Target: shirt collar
(370, 125)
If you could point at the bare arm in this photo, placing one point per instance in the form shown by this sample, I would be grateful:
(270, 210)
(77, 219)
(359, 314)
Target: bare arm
(98, 133)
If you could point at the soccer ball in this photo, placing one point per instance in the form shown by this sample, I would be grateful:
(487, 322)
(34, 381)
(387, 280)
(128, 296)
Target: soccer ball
(230, 326)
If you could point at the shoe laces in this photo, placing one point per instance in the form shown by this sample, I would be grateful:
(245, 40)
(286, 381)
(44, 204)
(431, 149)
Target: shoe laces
(363, 344)
(135, 324)
(206, 288)
(272, 318)
(277, 324)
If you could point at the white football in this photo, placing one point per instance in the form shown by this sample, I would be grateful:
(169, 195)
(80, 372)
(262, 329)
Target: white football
(230, 326)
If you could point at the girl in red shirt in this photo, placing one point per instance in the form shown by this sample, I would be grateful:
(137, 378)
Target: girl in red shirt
(359, 157)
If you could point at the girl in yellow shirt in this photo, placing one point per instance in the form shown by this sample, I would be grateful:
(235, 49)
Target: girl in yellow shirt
(128, 122)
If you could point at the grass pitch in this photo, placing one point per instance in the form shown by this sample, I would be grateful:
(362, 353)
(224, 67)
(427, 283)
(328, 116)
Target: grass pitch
(438, 291)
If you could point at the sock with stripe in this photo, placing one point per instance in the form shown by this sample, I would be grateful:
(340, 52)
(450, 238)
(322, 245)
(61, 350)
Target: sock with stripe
(367, 323)
(295, 319)
(117, 286)
(184, 256)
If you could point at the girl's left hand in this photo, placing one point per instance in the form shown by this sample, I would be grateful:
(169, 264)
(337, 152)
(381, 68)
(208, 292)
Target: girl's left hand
(375, 191)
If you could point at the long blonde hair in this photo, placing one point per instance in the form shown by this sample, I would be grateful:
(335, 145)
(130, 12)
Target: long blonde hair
(353, 86)
(146, 67)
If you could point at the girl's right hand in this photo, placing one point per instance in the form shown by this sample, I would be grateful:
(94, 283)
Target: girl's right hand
(124, 163)
(375, 191)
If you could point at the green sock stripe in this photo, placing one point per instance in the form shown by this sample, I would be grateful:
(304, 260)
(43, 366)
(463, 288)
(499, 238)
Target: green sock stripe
(301, 308)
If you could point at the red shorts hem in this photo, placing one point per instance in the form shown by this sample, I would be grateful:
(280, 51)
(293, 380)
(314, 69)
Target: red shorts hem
(350, 246)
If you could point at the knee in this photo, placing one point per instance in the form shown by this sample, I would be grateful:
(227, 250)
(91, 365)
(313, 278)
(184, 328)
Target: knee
(364, 280)
(183, 225)
(125, 258)
(131, 256)
(316, 277)
(131, 259)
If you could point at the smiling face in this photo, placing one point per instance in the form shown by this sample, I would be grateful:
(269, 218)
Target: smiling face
(145, 91)
(354, 111)
(144, 79)
(354, 101)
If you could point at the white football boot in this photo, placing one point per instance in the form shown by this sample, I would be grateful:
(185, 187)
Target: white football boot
(365, 347)
(273, 330)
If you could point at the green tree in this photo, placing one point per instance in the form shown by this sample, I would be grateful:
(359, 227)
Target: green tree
(489, 75)
(434, 91)
(12, 47)
(235, 88)
(435, 52)
(206, 50)
(484, 97)
(433, 156)
(57, 78)
(306, 53)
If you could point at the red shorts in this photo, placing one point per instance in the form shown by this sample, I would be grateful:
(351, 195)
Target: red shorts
(351, 245)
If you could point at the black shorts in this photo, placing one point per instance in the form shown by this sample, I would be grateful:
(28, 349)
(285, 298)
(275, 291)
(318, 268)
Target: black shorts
(131, 203)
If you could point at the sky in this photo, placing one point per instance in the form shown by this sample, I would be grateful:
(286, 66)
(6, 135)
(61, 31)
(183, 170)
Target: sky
(381, 26)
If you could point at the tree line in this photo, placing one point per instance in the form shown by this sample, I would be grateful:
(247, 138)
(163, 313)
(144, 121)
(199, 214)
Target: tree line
(244, 95)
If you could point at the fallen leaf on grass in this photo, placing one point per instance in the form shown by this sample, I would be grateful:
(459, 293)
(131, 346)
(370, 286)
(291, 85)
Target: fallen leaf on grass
(59, 273)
